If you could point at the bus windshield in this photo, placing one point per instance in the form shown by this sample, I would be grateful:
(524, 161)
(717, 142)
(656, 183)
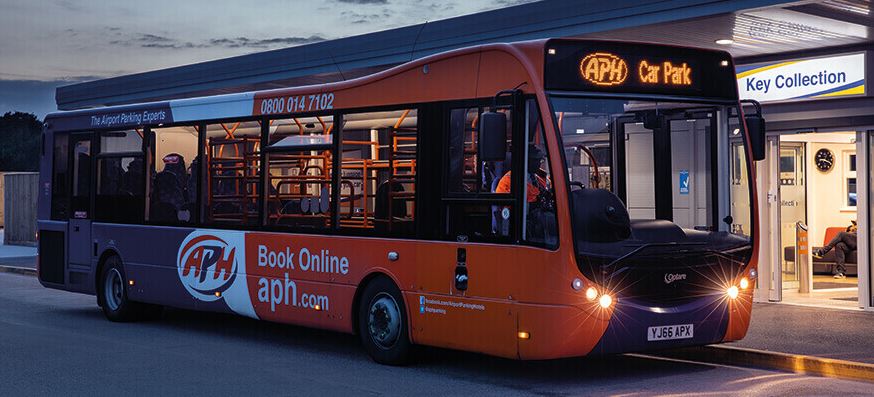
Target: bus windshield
(647, 176)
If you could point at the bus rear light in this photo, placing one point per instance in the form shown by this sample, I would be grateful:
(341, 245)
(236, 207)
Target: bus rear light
(130, 282)
(732, 292)
(523, 335)
(744, 283)
(605, 301)
(591, 294)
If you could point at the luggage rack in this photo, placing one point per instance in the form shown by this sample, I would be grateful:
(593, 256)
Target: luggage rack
(233, 180)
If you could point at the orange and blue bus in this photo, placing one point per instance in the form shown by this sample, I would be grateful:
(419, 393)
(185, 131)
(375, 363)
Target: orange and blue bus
(530, 200)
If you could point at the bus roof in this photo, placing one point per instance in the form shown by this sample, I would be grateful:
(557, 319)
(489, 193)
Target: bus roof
(247, 104)
(472, 72)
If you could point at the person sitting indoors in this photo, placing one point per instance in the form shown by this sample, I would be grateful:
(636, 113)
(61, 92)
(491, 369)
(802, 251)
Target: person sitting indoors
(538, 185)
(541, 201)
(843, 243)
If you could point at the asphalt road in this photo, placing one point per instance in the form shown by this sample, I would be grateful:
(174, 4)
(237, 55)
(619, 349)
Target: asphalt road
(58, 343)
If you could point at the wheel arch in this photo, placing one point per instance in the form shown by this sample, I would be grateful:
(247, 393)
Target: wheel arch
(106, 254)
(359, 290)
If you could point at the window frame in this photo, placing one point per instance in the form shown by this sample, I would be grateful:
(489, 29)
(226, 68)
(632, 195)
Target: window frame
(515, 198)
(101, 155)
(848, 173)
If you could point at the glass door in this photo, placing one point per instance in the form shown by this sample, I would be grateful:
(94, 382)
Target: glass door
(793, 208)
(769, 285)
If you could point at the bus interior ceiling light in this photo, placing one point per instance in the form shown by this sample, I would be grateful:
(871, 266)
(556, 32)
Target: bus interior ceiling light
(724, 41)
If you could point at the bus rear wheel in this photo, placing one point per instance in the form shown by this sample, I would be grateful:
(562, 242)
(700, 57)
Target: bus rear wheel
(112, 295)
(383, 326)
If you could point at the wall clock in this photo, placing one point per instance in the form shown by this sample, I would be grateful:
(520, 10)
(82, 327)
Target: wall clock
(824, 160)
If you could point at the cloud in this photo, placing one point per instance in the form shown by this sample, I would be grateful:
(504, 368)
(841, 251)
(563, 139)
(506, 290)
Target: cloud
(366, 2)
(245, 42)
(69, 5)
(359, 18)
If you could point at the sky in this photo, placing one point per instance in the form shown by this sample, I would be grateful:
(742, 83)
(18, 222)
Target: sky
(49, 43)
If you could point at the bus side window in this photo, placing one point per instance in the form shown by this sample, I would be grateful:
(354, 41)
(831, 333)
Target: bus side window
(378, 172)
(300, 173)
(233, 173)
(478, 205)
(120, 177)
(173, 176)
(60, 177)
(540, 227)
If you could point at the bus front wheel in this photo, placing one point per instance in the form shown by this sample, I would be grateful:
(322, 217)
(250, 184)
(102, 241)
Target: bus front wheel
(112, 295)
(382, 323)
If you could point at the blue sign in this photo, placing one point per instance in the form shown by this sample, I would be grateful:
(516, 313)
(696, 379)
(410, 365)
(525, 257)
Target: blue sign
(684, 181)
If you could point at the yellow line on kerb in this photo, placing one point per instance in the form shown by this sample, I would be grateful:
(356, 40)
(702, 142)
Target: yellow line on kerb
(764, 68)
(797, 363)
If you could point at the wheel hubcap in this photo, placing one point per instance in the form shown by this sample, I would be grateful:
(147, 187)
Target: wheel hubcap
(113, 289)
(384, 321)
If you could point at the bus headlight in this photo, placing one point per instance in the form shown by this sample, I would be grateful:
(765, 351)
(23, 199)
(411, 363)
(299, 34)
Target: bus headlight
(744, 283)
(605, 301)
(732, 292)
(591, 293)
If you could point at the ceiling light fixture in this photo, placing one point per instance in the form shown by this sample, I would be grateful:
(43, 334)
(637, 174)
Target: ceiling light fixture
(725, 41)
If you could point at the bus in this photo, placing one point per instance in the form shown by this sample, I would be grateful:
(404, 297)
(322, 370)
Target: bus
(529, 200)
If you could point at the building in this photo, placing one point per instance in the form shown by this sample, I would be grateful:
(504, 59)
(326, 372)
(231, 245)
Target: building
(806, 61)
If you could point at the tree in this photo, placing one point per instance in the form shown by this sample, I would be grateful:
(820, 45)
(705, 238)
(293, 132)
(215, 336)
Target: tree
(20, 137)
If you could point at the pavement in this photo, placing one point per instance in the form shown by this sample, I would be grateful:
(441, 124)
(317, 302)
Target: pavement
(813, 331)
(17, 256)
(59, 343)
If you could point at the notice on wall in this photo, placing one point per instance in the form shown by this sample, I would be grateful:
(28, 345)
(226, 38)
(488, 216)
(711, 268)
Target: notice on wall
(684, 181)
(803, 79)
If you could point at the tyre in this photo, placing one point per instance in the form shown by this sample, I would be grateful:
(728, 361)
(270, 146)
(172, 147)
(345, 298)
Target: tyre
(383, 326)
(112, 295)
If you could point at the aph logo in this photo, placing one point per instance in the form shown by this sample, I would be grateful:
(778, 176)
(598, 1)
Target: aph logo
(207, 266)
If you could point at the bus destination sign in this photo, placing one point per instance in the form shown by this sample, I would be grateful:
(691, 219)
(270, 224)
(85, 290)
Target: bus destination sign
(606, 69)
(599, 66)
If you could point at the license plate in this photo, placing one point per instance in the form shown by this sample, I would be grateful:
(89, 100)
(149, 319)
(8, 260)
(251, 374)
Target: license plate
(670, 332)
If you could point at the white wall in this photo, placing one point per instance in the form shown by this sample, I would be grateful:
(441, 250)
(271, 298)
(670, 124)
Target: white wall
(826, 192)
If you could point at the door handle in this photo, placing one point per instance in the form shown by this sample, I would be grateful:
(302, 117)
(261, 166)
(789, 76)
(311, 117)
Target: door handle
(461, 276)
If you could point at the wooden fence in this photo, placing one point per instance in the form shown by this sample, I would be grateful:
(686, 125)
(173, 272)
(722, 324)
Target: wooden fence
(20, 192)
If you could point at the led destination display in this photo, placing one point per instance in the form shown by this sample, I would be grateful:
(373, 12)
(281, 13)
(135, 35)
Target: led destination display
(638, 68)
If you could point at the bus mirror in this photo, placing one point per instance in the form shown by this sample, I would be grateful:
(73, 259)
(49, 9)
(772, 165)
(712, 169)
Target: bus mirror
(493, 136)
(756, 129)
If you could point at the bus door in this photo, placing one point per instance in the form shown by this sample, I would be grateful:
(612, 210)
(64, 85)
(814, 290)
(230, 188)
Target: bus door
(79, 227)
(464, 302)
